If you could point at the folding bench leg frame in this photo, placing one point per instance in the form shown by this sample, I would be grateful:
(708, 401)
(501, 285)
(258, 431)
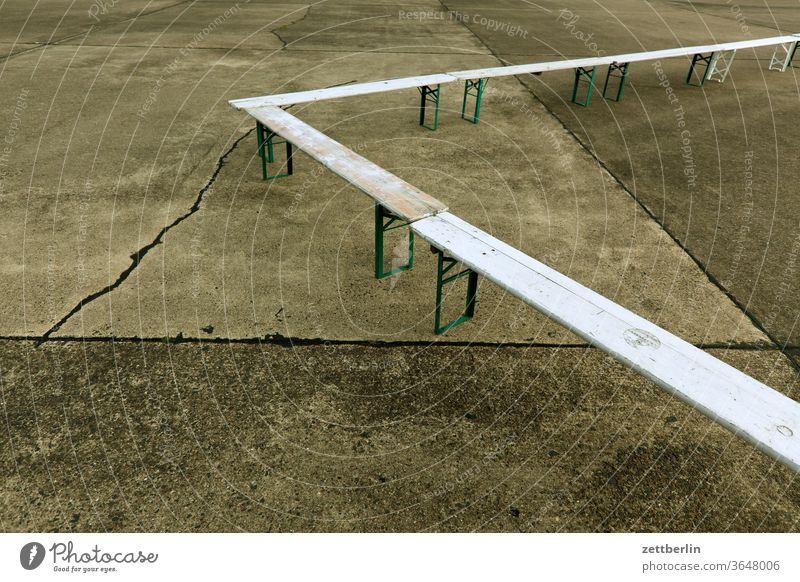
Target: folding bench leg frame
(428, 93)
(381, 226)
(700, 58)
(720, 65)
(266, 151)
(476, 86)
(620, 71)
(580, 72)
(781, 62)
(445, 264)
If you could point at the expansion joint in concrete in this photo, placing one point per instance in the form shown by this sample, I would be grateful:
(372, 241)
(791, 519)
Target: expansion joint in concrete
(293, 342)
(86, 32)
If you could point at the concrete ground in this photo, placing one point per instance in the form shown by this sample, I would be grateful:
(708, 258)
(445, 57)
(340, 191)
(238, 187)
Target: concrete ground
(188, 348)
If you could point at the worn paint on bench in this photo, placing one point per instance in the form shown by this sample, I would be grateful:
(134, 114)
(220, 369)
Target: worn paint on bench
(406, 201)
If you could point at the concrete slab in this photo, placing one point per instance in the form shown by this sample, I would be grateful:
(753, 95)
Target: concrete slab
(294, 256)
(10, 48)
(732, 216)
(417, 27)
(324, 26)
(156, 437)
(107, 153)
(45, 22)
(734, 220)
(100, 157)
(515, 29)
(778, 15)
(206, 25)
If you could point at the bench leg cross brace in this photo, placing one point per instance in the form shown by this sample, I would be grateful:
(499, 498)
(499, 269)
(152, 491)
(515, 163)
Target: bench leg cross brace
(473, 88)
(444, 266)
(720, 65)
(781, 62)
(581, 74)
(429, 94)
(382, 226)
(619, 71)
(266, 151)
(699, 58)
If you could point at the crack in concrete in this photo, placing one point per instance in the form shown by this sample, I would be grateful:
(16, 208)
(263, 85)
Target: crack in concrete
(794, 361)
(279, 37)
(275, 32)
(138, 256)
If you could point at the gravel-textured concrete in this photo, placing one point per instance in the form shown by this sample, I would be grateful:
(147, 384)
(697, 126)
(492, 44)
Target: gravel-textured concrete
(110, 436)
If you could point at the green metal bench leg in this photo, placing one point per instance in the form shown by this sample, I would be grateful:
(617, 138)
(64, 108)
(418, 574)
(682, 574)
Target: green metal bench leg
(619, 71)
(470, 86)
(444, 265)
(381, 227)
(580, 72)
(262, 157)
(427, 94)
(696, 59)
(266, 151)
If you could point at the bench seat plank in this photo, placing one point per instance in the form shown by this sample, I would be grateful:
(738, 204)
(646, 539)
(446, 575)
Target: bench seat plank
(284, 99)
(406, 201)
(763, 416)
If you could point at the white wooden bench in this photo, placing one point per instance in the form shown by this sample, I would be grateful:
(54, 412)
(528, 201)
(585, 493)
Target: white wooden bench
(401, 198)
(283, 99)
(622, 58)
(718, 62)
(763, 416)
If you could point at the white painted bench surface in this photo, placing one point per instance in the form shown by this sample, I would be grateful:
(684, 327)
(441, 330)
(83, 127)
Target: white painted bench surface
(343, 91)
(763, 416)
(284, 99)
(624, 58)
